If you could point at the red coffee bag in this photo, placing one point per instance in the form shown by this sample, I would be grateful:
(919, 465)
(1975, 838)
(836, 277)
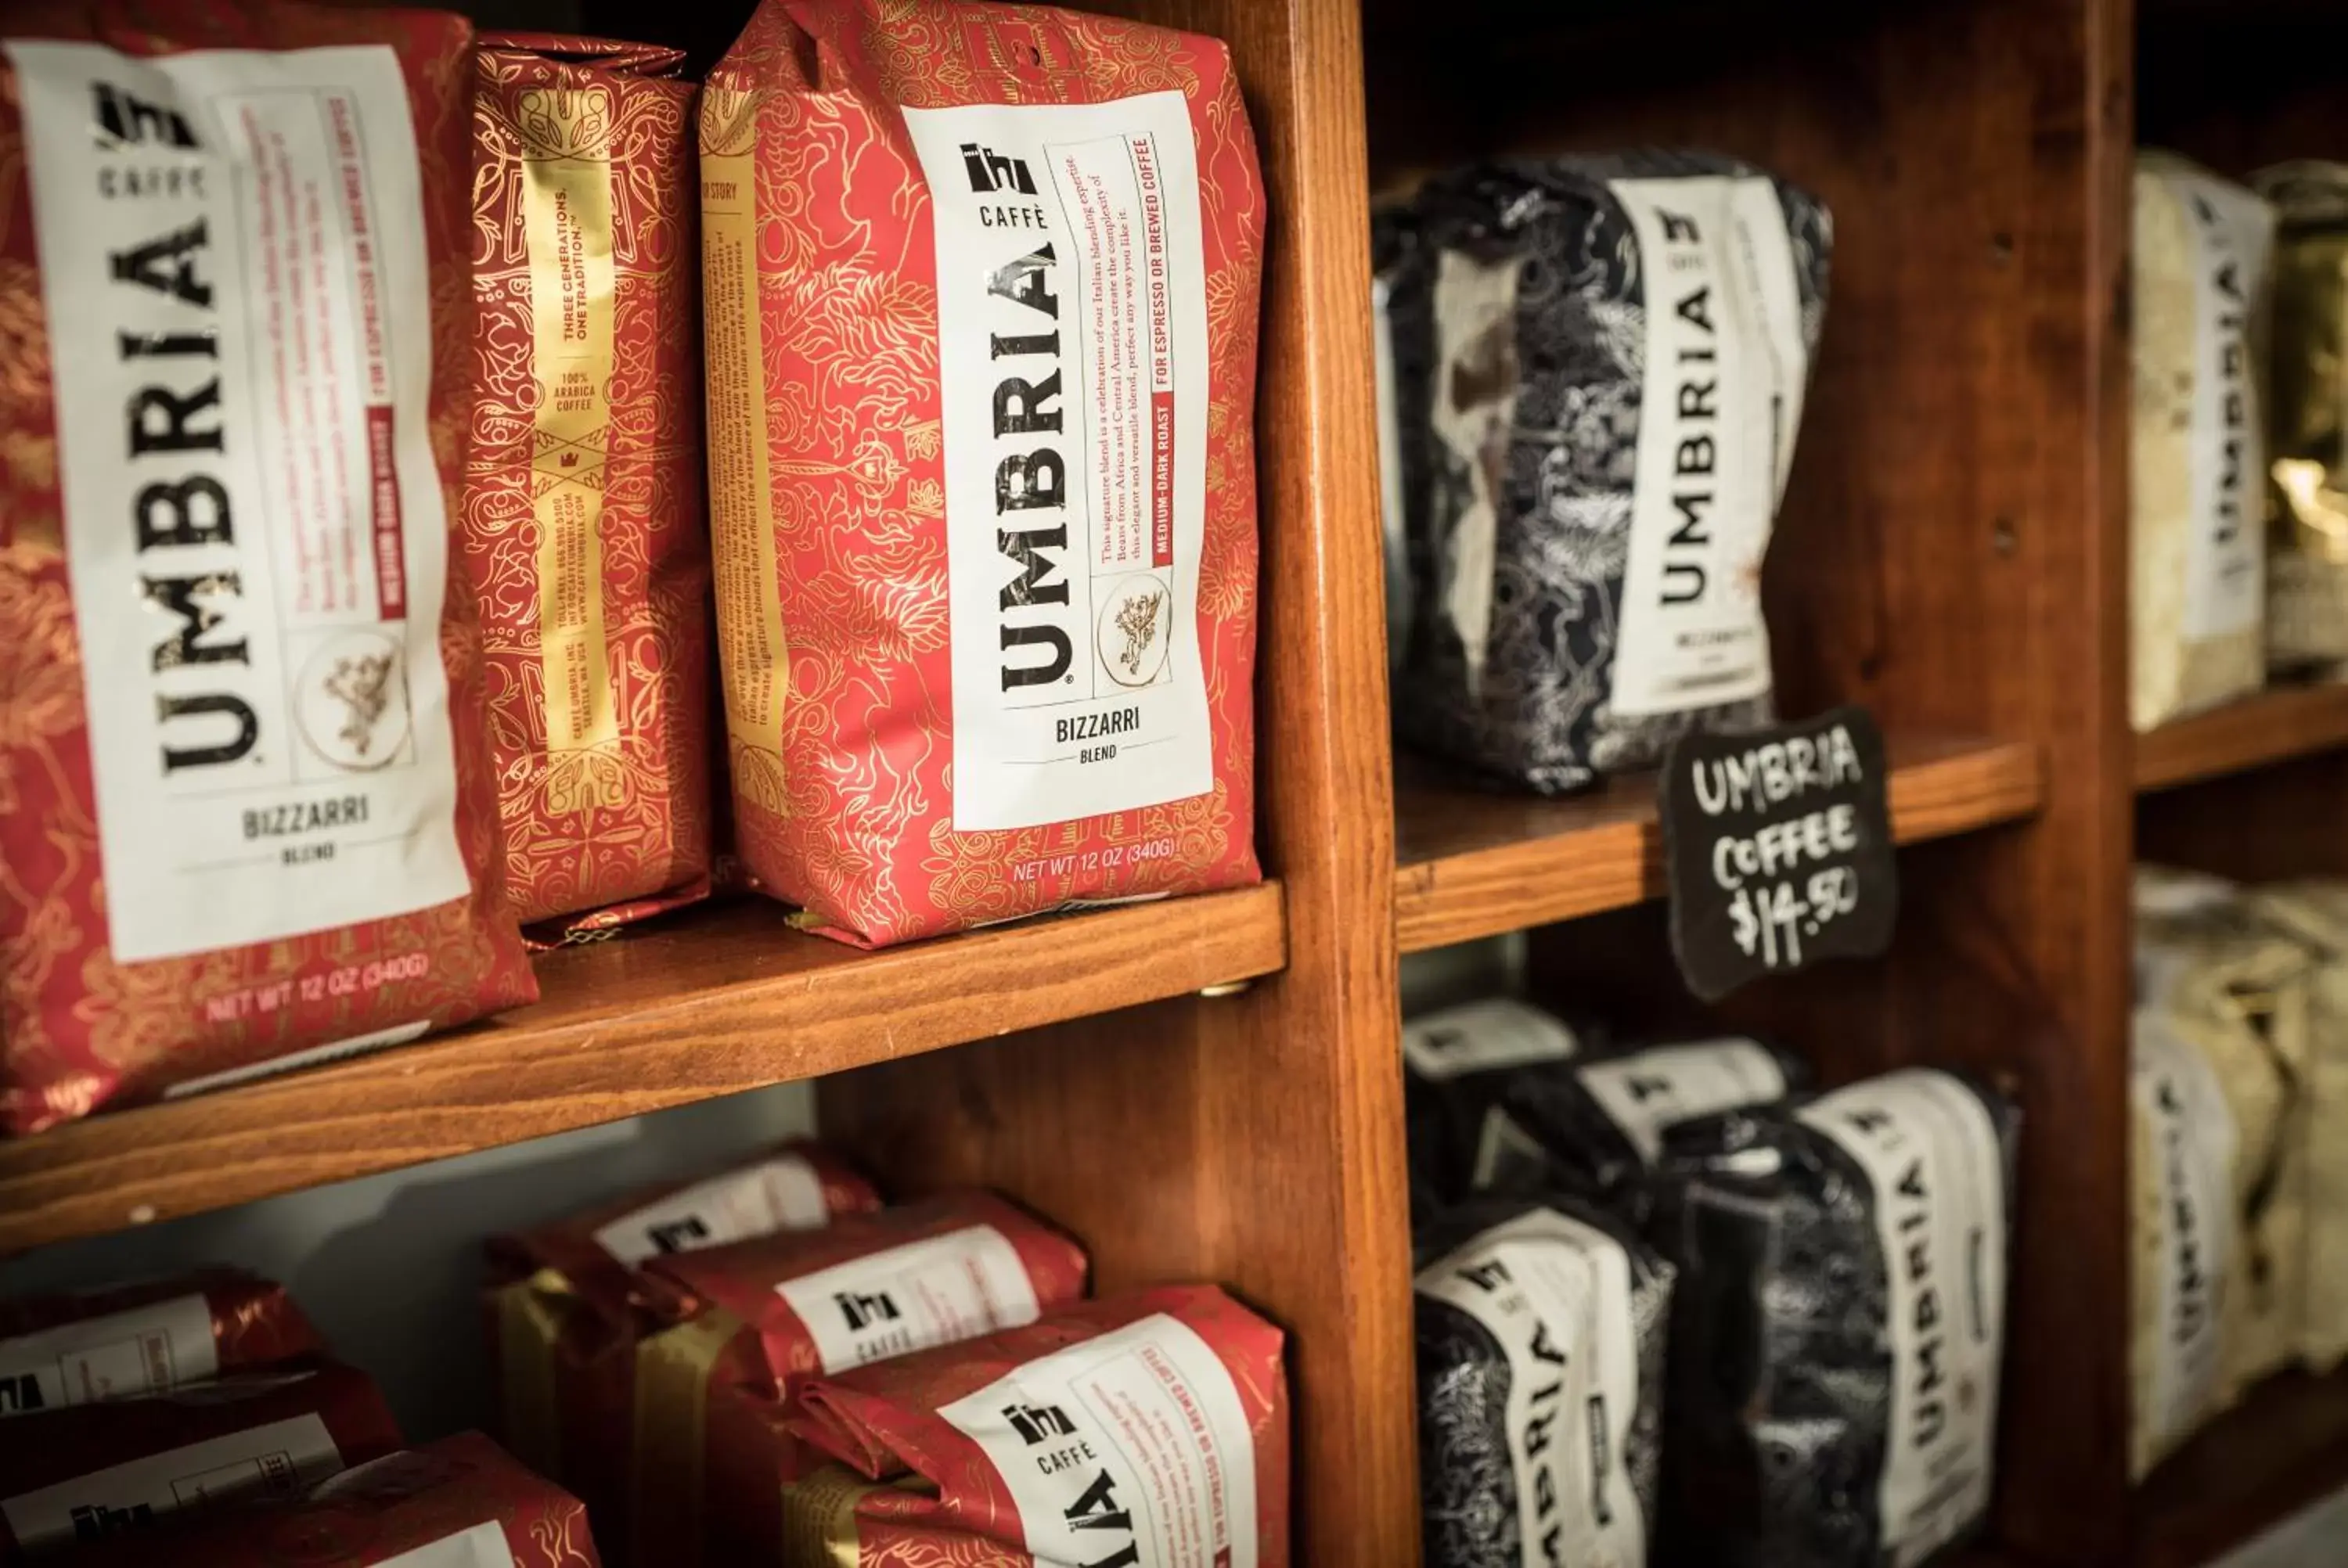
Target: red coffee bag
(1152, 1428)
(85, 1471)
(583, 528)
(456, 1503)
(980, 288)
(569, 1307)
(148, 1339)
(249, 813)
(713, 1393)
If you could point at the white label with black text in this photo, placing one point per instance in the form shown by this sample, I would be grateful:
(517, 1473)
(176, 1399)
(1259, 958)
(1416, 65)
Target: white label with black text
(934, 1292)
(1556, 1294)
(1720, 403)
(1479, 1036)
(482, 1546)
(783, 1194)
(1928, 1148)
(2194, 1144)
(1072, 349)
(1646, 1092)
(148, 1349)
(1130, 1449)
(231, 251)
(278, 1460)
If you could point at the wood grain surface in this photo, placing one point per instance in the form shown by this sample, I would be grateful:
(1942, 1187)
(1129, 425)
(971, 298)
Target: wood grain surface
(1475, 865)
(712, 1003)
(2272, 727)
(2284, 1446)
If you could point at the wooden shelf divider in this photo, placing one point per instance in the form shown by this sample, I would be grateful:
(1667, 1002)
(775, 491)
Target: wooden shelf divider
(713, 1002)
(1477, 864)
(2272, 727)
(2283, 1447)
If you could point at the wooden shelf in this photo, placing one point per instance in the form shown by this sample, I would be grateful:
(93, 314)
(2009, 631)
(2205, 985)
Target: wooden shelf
(2281, 1448)
(713, 1002)
(1475, 865)
(2271, 727)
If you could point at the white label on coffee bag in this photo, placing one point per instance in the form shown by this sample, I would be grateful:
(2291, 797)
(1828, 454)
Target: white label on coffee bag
(148, 1349)
(1072, 348)
(2225, 552)
(482, 1546)
(1132, 1448)
(1479, 1036)
(1646, 1092)
(2194, 1144)
(783, 1194)
(1556, 1294)
(1928, 1148)
(278, 1460)
(1720, 402)
(231, 249)
(934, 1292)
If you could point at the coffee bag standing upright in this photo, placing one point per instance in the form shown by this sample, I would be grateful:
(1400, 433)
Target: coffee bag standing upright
(980, 284)
(248, 812)
(583, 529)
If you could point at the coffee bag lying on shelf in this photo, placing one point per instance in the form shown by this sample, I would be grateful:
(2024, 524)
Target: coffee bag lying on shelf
(87, 1471)
(713, 1393)
(1838, 1324)
(582, 531)
(2183, 1157)
(2307, 444)
(1541, 1338)
(1458, 1062)
(2238, 992)
(568, 1306)
(252, 818)
(1147, 1428)
(982, 383)
(151, 1338)
(457, 1504)
(1603, 360)
(2315, 914)
(1597, 1125)
(2196, 611)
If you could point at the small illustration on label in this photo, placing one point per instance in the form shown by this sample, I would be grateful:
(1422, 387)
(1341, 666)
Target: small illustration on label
(354, 704)
(1137, 625)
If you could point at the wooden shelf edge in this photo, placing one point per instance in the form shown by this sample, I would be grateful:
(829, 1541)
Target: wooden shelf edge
(2274, 726)
(724, 1001)
(1506, 863)
(2282, 1449)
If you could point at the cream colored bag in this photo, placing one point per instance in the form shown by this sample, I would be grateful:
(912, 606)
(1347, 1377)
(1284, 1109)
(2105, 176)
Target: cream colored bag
(2198, 549)
(2316, 914)
(2182, 1158)
(2234, 989)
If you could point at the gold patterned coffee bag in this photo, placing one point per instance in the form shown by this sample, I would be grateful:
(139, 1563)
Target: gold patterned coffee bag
(583, 529)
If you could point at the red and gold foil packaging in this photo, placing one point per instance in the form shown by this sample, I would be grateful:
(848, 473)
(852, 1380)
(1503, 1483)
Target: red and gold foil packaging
(582, 528)
(980, 286)
(148, 1338)
(568, 1306)
(714, 1392)
(87, 1471)
(1150, 1427)
(458, 1501)
(248, 815)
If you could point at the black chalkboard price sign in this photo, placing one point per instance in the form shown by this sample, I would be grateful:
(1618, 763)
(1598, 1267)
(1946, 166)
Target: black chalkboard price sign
(1777, 849)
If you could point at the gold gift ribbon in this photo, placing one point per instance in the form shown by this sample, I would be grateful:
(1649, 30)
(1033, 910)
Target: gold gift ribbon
(673, 1369)
(819, 1518)
(753, 654)
(566, 201)
(530, 1317)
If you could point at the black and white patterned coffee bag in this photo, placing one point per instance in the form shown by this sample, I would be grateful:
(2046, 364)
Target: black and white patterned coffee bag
(1457, 1064)
(1541, 1337)
(1839, 1322)
(1599, 1122)
(1598, 368)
